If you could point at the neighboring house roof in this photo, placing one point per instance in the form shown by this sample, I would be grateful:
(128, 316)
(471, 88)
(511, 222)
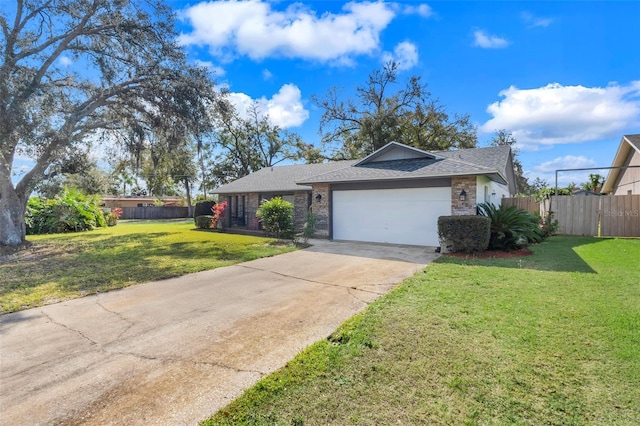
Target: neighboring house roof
(627, 144)
(141, 199)
(394, 161)
(580, 192)
(280, 178)
(491, 161)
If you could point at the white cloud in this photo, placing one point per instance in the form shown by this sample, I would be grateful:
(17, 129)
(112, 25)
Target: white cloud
(423, 10)
(266, 74)
(285, 108)
(253, 28)
(535, 21)
(487, 41)
(556, 114)
(546, 171)
(216, 70)
(65, 61)
(405, 54)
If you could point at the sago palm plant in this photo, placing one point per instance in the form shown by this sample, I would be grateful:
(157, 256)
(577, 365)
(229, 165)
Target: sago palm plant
(511, 228)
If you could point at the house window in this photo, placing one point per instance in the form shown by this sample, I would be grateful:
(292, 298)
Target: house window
(629, 192)
(237, 210)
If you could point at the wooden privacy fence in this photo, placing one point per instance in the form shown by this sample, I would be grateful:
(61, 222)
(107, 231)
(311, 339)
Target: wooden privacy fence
(607, 216)
(154, 212)
(523, 203)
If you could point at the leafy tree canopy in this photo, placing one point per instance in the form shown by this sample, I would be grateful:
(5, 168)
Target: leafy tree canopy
(73, 72)
(248, 142)
(381, 113)
(502, 138)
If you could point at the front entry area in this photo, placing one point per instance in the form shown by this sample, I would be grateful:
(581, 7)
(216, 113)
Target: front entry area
(397, 216)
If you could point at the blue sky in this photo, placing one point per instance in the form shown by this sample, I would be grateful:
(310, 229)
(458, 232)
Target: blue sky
(564, 77)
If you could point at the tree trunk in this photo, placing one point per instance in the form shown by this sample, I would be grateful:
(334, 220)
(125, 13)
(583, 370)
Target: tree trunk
(12, 207)
(189, 205)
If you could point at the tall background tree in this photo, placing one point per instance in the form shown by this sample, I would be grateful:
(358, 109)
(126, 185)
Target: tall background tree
(71, 68)
(502, 138)
(381, 113)
(247, 141)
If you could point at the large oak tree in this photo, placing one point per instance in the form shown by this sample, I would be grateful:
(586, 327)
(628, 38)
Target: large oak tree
(70, 69)
(250, 141)
(385, 110)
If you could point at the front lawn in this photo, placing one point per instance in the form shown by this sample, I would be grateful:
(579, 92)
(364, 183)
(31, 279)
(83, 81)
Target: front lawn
(552, 338)
(64, 266)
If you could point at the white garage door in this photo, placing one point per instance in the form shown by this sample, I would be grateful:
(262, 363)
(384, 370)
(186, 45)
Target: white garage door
(399, 216)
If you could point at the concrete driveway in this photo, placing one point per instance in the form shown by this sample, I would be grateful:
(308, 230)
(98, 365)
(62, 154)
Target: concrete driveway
(175, 351)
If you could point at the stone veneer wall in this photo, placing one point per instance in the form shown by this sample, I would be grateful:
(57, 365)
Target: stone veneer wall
(321, 209)
(300, 209)
(468, 207)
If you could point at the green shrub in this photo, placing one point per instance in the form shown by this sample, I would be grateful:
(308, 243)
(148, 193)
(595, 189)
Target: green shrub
(548, 226)
(309, 228)
(202, 208)
(468, 234)
(204, 221)
(511, 228)
(71, 211)
(112, 219)
(276, 216)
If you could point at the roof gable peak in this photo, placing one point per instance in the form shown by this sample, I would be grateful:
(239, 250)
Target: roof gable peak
(395, 151)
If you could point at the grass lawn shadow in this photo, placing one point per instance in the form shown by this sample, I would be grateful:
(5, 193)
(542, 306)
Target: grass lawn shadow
(65, 266)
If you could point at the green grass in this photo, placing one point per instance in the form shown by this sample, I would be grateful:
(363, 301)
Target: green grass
(552, 338)
(64, 266)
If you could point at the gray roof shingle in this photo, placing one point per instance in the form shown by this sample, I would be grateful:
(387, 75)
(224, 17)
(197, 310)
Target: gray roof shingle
(634, 140)
(491, 161)
(280, 178)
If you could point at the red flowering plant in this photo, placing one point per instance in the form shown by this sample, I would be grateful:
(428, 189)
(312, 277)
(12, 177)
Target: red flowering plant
(218, 212)
(117, 212)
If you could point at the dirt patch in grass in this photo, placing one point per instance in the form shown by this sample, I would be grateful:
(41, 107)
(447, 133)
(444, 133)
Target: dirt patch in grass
(32, 252)
(493, 254)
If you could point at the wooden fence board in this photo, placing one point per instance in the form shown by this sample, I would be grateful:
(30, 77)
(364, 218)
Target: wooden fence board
(615, 215)
(524, 203)
(154, 212)
(621, 216)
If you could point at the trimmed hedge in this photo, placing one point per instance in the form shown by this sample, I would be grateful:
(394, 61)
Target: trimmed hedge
(204, 221)
(468, 234)
(203, 208)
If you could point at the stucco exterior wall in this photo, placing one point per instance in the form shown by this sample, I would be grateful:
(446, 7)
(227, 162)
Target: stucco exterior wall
(488, 191)
(629, 179)
(321, 209)
(113, 202)
(467, 207)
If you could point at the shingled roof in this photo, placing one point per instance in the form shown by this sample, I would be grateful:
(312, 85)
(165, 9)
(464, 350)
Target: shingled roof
(280, 178)
(628, 143)
(492, 162)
